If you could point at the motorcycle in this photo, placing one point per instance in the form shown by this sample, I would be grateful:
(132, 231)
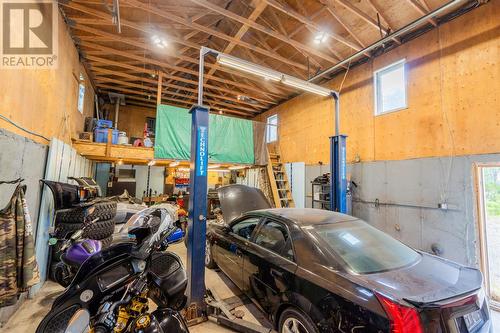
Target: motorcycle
(112, 290)
(74, 251)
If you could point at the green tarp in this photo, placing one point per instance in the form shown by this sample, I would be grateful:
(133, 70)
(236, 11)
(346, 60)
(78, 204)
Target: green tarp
(230, 140)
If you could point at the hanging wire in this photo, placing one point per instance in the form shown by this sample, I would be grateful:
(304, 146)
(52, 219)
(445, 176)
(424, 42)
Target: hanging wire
(15, 181)
(22, 128)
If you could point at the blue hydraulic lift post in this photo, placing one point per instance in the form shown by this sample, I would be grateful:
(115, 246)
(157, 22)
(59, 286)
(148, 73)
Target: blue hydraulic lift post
(338, 178)
(197, 207)
(197, 221)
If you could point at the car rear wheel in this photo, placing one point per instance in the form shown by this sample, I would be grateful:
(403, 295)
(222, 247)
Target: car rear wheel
(294, 321)
(209, 260)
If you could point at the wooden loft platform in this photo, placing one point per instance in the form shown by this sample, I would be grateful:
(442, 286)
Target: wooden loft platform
(104, 152)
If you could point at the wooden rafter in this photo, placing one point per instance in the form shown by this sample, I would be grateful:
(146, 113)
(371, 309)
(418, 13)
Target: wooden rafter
(169, 16)
(344, 25)
(380, 13)
(141, 44)
(358, 12)
(168, 94)
(299, 17)
(102, 72)
(265, 30)
(241, 32)
(152, 98)
(135, 69)
(422, 10)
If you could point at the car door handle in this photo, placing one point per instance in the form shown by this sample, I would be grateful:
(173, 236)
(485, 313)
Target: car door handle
(276, 274)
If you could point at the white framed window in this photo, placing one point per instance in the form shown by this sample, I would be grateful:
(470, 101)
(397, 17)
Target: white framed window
(272, 128)
(390, 88)
(81, 93)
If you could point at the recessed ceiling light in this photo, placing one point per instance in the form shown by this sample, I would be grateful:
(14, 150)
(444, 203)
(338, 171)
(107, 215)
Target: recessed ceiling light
(320, 37)
(159, 42)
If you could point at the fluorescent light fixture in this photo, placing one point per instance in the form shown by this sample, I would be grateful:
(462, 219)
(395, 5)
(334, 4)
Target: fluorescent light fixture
(304, 85)
(213, 166)
(320, 37)
(159, 42)
(174, 164)
(237, 167)
(151, 163)
(248, 67)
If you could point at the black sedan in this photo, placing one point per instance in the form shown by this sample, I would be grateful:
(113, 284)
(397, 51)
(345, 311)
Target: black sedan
(317, 271)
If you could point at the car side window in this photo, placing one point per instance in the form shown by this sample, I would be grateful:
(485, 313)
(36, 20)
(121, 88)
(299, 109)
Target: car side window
(274, 237)
(245, 227)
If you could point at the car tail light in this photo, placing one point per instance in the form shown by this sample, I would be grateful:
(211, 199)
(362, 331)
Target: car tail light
(403, 319)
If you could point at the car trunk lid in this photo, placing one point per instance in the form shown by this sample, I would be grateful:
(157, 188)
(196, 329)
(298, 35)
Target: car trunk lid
(446, 294)
(431, 279)
(237, 199)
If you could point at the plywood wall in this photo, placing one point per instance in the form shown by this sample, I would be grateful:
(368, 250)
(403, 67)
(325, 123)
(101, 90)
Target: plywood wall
(453, 97)
(131, 119)
(45, 101)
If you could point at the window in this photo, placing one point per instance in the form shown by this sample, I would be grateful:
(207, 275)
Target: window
(364, 248)
(246, 227)
(81, 93)
(274, 237)
(151, 123)
(272, 128)
(390, 88)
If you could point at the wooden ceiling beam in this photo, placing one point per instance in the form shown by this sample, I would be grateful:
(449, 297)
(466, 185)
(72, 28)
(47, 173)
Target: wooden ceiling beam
(365, 17)
(380, 13)
(264, 42)
(252, 57)
(92, 11)
(422, 10)
(133, 25)
(299, 17)
(241, 32)
(188, 98)
(270, 32)
(172, 99)
(166, 92)
(102, 71)
(345, 26)
(145, 46)
(98, 60)
(171, 17)
(358, 12)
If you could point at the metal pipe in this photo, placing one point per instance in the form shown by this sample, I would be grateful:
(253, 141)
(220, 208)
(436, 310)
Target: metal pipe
(117, 109)
(389, 37)
(201, 71)
(336, 101)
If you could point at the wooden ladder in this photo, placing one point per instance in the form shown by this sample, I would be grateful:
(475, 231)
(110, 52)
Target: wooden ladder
(278, 180)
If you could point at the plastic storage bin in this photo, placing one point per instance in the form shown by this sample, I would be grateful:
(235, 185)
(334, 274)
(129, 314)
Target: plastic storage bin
(101, 135)
(104, 123)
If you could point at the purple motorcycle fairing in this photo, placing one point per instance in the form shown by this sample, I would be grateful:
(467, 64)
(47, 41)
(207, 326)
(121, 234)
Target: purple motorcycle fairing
(80, 251)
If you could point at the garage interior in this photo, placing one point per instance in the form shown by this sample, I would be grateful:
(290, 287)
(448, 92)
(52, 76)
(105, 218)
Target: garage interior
(383, 110)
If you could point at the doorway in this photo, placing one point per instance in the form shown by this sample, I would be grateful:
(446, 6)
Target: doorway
(488, 176)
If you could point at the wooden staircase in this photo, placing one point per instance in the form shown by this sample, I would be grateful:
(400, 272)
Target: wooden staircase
(278, 180)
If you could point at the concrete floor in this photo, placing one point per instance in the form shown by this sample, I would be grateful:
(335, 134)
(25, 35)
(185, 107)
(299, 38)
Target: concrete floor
(32, 311)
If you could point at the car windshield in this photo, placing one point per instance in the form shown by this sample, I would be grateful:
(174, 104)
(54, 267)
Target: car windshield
(364, 248)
